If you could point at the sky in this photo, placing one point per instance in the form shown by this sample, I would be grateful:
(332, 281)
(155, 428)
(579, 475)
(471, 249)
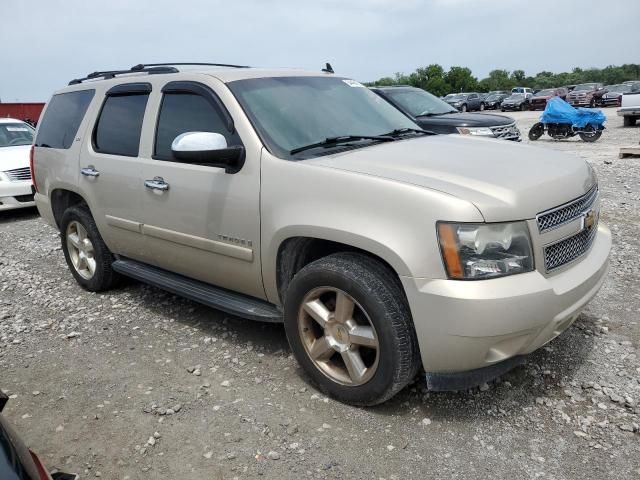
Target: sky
(46, 43)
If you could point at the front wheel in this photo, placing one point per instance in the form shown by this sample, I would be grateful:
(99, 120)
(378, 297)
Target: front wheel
(350, 328)
(629, 121)
(536, 131)
(482, 107)
(592, 103)
(86, 254)
(463, 108)
(523, 107)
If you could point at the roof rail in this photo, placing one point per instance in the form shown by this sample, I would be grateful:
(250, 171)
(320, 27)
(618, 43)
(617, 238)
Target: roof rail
(112, 73)
(145, 65)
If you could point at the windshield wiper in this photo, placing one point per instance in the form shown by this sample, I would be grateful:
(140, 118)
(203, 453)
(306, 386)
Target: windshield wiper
(403, 131)
(331, 141)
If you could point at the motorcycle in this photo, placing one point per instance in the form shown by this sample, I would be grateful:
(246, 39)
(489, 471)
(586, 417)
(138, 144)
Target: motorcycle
(560, 120)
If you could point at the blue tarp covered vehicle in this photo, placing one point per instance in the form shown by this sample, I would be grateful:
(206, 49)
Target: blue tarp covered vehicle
(559, 111)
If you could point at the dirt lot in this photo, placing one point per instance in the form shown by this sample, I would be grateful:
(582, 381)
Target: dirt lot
(139, 384)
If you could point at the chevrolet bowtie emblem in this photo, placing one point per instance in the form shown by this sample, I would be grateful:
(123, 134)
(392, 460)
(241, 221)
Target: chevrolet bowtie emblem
(590, 219)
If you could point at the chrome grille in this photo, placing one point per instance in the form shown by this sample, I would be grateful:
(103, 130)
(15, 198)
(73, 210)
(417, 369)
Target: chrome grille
(506, 132)
(19, 174)
(557, 216)
(566, 251)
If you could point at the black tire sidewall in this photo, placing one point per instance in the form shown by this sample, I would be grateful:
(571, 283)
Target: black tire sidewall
(104, 277)
(385, 380)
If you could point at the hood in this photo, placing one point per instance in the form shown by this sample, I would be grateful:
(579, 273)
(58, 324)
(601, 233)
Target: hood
(14, 157)
(465, 120)
(505, 181)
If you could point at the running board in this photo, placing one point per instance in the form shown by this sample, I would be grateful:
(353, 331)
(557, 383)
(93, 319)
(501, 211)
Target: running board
(230, 302)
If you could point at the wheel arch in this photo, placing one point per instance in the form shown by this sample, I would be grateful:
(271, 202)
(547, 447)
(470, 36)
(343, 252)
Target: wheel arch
(62, 199)
(294, 252)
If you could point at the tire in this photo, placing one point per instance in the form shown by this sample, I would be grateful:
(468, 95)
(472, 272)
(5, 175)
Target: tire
(502, 110)
(482, 107)
(592, 103)
(379, 304)
(463, 108)
(629, 121)
(77, 225)
(523, 107)
(536, 131)
(590, 137)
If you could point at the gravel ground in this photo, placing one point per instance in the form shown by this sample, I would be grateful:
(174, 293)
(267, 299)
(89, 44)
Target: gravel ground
(139, 384)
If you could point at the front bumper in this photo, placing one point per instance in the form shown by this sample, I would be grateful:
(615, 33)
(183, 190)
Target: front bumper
(579, 102)
(15, 195)
(468, 325)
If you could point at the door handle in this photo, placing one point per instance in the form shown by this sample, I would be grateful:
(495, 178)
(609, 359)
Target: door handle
(90, 171)
(157, 183)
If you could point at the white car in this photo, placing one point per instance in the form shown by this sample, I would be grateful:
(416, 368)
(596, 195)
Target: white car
(16, 138)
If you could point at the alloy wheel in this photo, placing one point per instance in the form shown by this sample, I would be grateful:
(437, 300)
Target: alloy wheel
(81, 250)
(338, 336)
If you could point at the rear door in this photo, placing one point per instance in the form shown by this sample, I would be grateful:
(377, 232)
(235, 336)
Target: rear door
(205, 223)
(110, 171)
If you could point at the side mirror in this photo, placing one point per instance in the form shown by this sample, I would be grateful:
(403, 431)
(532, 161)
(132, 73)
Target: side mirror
(208, 148)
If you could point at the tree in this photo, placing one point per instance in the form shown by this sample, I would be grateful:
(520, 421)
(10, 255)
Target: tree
(517, 76)
(461, 80)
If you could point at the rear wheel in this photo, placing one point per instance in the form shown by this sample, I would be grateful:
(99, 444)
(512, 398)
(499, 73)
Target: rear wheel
(350, 328)
(86, 254)
(590, 134)
(536, 131)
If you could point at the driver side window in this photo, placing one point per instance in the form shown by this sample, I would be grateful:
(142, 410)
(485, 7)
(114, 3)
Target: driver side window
(182, 112)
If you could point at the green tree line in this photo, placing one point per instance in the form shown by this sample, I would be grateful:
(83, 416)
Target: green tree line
(436, 80)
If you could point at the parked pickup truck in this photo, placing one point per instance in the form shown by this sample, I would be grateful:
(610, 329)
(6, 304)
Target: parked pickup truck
(630, 108)
(306, 198)
(586, 95)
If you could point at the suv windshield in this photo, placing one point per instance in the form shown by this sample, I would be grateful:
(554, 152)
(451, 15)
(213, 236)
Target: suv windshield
(15, 134)
(293, 112)
(419, 103)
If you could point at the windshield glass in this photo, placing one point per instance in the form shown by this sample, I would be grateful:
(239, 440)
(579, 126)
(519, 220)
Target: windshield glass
(15, 134)
(457, 97)
(516, 96)
(419, 102)
(291, 112)
(619, 88)
(585, 86)
(546, 93)
(493, 97)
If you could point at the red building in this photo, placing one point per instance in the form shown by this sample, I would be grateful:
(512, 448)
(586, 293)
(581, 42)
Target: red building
(21, 111)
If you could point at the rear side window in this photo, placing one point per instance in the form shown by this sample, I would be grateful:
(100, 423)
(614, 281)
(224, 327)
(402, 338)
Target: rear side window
(62, 119)
(187, 112)
(120, 124)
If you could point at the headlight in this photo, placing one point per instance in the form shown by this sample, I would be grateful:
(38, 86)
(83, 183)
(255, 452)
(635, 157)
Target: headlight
(472, 251)
(475, 131)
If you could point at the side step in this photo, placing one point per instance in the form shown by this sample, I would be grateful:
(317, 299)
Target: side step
(215, 297)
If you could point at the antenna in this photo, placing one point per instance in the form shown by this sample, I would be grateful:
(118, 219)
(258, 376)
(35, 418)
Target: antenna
(328, 68)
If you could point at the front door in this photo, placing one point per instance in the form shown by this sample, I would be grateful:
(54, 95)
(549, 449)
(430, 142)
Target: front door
(200, 221)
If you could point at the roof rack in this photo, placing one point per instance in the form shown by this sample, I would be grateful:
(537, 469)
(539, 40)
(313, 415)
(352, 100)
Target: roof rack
(141, 66)
(112, 73)
(150, 68)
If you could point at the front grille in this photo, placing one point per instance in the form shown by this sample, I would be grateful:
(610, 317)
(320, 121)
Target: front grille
(506, 132)
(557, 216)
(19, 174)
(566, 251)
